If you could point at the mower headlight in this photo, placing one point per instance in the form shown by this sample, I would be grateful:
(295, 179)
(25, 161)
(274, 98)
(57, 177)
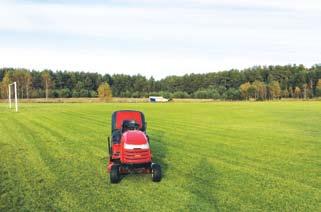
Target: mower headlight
(136, 146)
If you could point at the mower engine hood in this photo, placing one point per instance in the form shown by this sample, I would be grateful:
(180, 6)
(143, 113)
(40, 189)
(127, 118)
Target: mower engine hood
(135, 139)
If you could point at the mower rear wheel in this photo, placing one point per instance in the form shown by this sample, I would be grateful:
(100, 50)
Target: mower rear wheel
(114, 174)
(156, 172)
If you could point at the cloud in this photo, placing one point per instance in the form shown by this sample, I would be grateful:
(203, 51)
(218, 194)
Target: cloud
(314, 5)
(163, 37)
(149, 24)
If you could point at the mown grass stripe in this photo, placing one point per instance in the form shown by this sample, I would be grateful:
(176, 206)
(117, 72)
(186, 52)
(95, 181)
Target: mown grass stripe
(215, 156)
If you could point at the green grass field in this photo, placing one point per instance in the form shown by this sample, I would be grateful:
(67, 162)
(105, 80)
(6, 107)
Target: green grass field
(215, 157)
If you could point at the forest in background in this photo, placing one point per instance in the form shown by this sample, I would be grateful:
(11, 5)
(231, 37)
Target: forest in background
(259, 82)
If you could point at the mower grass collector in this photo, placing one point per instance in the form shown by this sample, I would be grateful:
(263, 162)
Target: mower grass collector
(129, 150)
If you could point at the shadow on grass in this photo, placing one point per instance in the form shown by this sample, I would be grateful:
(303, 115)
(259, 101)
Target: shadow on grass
(202, 186)
(159, 149)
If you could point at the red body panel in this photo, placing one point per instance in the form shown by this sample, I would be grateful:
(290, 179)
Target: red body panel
(135, 156)
(128, 115)
(116, 150)
(134, 137)
(134, 148)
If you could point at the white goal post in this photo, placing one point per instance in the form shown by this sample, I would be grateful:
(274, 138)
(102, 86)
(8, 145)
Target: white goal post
(15, 95)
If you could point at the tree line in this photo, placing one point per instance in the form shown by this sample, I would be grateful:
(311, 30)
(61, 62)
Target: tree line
(259, 82)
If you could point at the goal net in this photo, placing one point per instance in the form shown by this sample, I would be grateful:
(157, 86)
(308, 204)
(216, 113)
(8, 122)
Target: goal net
(14, 85)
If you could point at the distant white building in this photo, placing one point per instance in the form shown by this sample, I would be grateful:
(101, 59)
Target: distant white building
(157, 99)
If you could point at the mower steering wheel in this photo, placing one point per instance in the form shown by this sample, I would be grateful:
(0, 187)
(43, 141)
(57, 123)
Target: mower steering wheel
(130, 125)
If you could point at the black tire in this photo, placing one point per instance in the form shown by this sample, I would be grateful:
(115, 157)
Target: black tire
(156, 173)
(114, 174)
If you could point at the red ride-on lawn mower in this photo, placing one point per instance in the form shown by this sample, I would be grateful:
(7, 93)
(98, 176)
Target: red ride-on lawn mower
(129, 150)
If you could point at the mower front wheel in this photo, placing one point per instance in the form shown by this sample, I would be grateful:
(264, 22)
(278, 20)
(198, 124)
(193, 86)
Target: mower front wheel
(114, 174)
(156, 172)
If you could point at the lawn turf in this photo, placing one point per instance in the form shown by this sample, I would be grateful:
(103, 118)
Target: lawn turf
(240, 156)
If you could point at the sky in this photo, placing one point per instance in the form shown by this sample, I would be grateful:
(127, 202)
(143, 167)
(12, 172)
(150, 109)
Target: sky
(158, 37)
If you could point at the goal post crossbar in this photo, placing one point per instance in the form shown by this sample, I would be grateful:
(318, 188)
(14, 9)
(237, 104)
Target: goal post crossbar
(15, 95)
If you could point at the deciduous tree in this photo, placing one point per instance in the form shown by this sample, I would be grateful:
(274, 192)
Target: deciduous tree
(28, 83)
(4, 86)
(244, 88)
(46, 80)
(260, 90)
(297, 92)
(274, 89)
(318, 88)
(104, 92)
